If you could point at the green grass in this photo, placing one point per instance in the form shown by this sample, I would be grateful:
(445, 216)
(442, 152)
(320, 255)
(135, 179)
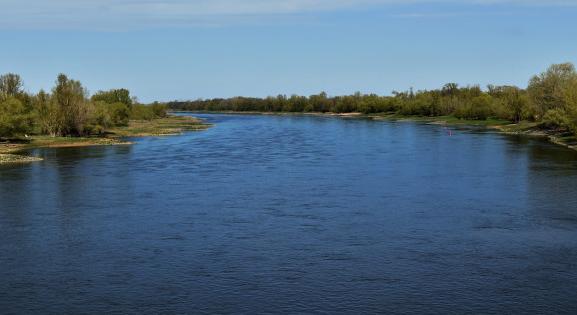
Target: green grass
(521, 127)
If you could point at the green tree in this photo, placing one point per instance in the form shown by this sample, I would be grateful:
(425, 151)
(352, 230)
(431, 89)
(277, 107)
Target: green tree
(510, 102)
(450, 89)
(478, 108)
(10, 85)
(70, 98)
(46, 114)
(570, 100)
(547, 90)
(119, 114)
(159, 110)
(13, 117)
(114, 96)
(100, 118)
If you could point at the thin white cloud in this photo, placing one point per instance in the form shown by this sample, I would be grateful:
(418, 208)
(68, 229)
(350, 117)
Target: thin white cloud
(139, 13)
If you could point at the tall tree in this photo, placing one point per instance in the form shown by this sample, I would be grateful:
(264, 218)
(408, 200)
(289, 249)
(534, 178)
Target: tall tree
(547, 89)
(10, 84)
(70, 99)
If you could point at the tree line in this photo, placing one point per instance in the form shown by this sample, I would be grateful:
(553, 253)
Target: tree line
(67, 110)
(550, 99)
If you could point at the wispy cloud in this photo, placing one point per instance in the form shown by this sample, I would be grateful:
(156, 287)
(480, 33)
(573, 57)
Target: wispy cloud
(140, 13)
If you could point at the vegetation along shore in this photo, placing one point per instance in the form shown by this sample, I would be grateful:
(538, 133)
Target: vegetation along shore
(69, 117)
(547, 107)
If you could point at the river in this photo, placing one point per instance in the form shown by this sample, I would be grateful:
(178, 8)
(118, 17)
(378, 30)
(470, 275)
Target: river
(293, 214)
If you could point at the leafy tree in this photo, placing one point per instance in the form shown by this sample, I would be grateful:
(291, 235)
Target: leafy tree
(10, 84)
(556, 118)
(13, 117)
(100, 118)
(119, 114)
(46, 114)
(320, 103)
(114, 96)
(450, 89)
(70, 99)
(547, 90)
(118, 104)
(159, 110)
(142, 112)
(570, 100)
(478, 107)
(511, 102)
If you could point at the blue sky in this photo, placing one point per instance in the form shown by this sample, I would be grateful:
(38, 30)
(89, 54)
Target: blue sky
(177, 49)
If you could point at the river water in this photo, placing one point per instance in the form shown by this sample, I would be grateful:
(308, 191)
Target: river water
(293, 214)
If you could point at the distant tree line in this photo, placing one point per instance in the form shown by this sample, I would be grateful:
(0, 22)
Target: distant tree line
(550, 98)
(67, 110)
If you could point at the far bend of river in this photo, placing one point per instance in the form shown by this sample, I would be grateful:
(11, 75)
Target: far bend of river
(293, 214)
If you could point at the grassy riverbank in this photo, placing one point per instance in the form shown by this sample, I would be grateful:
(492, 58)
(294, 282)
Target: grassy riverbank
(556, 136)
(11, 151)
(525, 128)
(440, 120)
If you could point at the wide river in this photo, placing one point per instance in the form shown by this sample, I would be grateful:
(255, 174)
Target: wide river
(293, 214)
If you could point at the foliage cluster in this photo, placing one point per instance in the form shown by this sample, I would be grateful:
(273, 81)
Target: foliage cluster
(550, 98)
(67, 110)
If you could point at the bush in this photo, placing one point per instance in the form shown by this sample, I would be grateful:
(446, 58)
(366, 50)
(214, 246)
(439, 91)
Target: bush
(159, 110)
(119, 114)
(144, 112)
(556, 118)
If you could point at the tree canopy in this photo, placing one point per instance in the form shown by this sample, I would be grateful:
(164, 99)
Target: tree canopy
(550, 98)
(67, 110)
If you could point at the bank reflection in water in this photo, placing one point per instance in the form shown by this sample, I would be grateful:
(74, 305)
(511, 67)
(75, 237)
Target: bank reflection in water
(68, 179)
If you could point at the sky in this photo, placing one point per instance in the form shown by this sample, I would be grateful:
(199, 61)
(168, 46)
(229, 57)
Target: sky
(166, 50)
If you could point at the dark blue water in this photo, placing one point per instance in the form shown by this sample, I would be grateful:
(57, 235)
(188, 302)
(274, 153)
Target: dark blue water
(269, 214)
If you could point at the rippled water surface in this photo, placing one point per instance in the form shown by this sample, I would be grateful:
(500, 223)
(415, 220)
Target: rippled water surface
(267, 214)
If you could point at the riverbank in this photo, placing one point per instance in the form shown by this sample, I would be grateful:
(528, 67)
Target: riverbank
(11, 152)
(525, 128)
(531, 129)
(449, 120)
